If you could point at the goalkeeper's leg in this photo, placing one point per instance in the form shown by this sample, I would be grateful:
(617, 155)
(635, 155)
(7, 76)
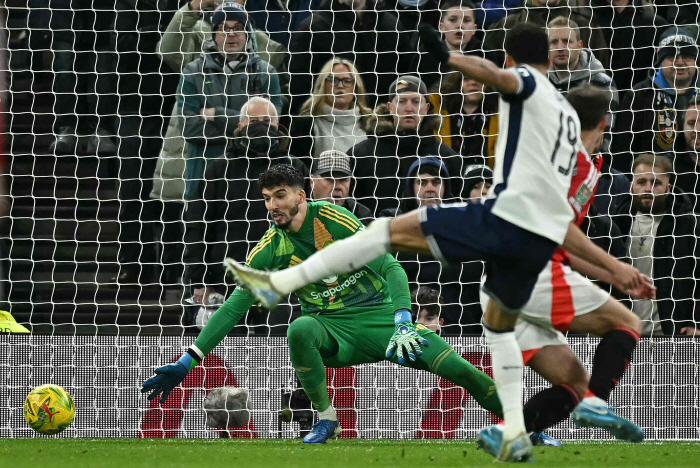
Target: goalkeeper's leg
(439, 358)
(384, 235)
(308, 342)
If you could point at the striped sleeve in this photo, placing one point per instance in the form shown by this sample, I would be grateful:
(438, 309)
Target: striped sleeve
(261, 256)
(339, 221)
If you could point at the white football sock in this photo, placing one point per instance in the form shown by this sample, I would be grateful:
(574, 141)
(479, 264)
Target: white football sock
(339, 258)
(507, 362)
(328, 414)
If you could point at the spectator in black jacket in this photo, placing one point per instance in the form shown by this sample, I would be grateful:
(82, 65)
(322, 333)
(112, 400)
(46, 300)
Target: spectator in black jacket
(401, 132)
(686, 164)
(427, 182)
(458, 27)
(228, 217)
(478, 179)
(331, 178)
(661, 237)
(631, 32)
(352, 29)
(651, 113)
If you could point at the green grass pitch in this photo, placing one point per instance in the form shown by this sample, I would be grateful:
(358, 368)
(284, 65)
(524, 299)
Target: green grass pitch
(155, 453)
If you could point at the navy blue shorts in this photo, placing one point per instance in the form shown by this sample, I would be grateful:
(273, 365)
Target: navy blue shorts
(514, 257)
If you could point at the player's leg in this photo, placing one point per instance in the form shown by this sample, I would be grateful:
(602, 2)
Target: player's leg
(440, 359)
(384, 235)
(559, 366)
(619, 329)
(309, 342)
(341, 257)
(509, 284)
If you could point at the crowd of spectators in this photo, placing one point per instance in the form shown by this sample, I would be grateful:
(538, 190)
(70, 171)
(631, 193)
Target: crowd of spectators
(196, 99)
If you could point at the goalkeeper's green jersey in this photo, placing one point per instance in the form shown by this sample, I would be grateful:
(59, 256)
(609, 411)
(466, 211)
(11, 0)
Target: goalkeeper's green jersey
(380, 284)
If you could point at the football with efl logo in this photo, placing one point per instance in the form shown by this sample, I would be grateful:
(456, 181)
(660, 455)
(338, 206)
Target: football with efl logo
(49, 409)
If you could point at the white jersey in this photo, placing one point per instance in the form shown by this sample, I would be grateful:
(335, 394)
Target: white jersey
(539, 139)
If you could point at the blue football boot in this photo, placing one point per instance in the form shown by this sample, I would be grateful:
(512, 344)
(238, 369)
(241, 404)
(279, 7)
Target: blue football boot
(322, 431)
(540, 439)
(591, 415)
(490, 439)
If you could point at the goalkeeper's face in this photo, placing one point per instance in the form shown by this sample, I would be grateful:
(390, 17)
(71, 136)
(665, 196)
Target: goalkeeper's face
(282, 203)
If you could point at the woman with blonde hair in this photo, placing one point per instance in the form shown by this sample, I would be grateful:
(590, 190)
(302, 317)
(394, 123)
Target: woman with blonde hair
(333, 117)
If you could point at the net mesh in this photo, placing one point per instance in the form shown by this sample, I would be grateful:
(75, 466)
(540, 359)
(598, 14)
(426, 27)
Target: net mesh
(130, 175)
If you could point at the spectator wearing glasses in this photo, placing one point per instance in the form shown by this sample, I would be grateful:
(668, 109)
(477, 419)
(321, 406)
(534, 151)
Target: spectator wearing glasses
(214, 87)
(334, 116)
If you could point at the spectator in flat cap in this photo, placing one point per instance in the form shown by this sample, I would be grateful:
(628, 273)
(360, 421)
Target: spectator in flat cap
(331, 179)
(399, 133)
(652, 113)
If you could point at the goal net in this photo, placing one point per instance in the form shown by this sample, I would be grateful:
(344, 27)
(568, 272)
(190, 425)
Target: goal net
(131, 173)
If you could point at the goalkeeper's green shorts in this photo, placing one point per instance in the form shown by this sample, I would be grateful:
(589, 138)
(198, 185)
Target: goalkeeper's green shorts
(361, 336)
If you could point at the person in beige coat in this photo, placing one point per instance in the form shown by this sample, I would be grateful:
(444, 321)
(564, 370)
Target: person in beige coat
(181, 44)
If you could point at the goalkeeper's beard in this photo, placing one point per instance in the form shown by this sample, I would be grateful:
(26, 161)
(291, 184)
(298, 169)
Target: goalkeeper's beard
(287, 219)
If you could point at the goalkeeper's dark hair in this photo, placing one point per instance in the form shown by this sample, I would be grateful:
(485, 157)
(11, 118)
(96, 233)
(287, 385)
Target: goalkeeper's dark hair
(428, 299)
(447, 4)
(528, 44)
(591, 103)
(279, 175)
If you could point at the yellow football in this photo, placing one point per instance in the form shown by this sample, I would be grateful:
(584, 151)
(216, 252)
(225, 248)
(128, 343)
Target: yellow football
(49, 409)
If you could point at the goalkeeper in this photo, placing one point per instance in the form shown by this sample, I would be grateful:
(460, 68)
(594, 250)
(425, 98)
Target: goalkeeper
(346, 320)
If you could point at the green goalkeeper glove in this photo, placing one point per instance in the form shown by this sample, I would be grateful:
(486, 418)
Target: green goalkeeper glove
(405, 338)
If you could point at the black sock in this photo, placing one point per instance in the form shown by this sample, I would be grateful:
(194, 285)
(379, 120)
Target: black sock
(611, 359)
(549, 407)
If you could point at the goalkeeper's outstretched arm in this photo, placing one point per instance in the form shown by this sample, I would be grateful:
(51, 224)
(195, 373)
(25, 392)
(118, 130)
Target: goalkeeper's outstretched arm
(221, 323)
